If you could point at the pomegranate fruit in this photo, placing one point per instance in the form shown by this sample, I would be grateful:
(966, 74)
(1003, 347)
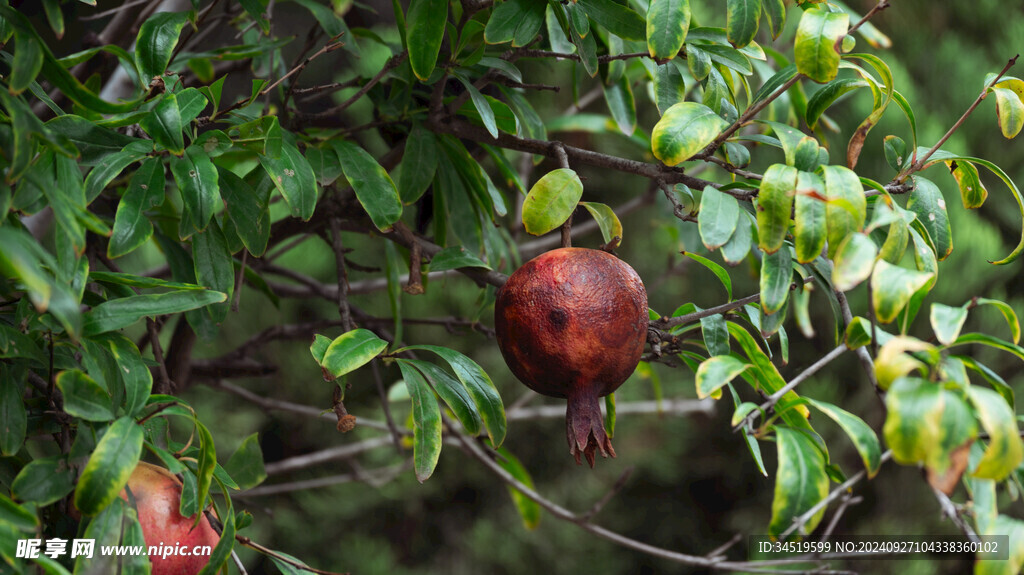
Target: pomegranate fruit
(572, 323)
(157, 494)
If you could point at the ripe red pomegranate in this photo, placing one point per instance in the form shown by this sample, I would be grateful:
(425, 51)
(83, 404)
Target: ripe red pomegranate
(157, 494)
(572, 323)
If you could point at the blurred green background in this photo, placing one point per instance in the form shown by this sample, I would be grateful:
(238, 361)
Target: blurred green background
(694, 485)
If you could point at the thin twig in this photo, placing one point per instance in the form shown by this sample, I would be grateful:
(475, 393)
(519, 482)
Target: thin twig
(339, 258)
(396, 435)
(668, 322)
(391, 64)
(775, 397)
(331, 46)
(919, 164)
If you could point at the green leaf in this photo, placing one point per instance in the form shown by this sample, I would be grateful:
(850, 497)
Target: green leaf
(164, 124)
(133, 372)
(846, 209)
(59, 76)
(197, 181)
(93, 142)
(717, 371)
(927, 202)
(775, 13)
(109, 466)
(858, 333)
(551, 201)
(373, 186)
(122, 279)
(419, 162)
(719, 214)
(122, 312)
(426, 417)
(1008, 313)
(455, 257)
(213, 266)
(481, 104)
(863, 437)
(741, 21)
(131, 226)
(684, 130)
(222, 550)
(529, 510)
(1005, 449)
(738, 246)
(1010, 111)
(616, 18)
(619, 97)
(606, 220)
(248, 210)
(246, 464)
(425, 25)
(16, 515)
(154, 46)
(83, 397)
(947, 322)
(13, 417)
(480, 387)
(28, 61)
(810, 229)
(828, 95)
(854, 261)
(815, 48)
(516, 21)
(775, 205)
(776, 273)
(206, 464)
(293, 177)
(768, 379)
(1014, 529)
(43, 481)
(800, 482)
(972, 190)
(892, 287)
(350, 351)
(895, 152)
(913, 425)
(452, 392)
(667, 24)
(719, 271)
(110, 167)
(669, 87)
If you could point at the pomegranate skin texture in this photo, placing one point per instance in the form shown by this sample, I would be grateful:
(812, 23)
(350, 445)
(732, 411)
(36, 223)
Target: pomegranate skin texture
(157, 495)
(572, 323)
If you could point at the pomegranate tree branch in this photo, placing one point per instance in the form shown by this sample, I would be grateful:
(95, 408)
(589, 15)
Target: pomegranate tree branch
(668, 322)
(862, 353)
(471, 448)
(775, 397)
(463, 129)
(391, 64)
(339, 257)
(918, 165)
(746, 117)
(381, 475)
(950, 510)
(882, 5)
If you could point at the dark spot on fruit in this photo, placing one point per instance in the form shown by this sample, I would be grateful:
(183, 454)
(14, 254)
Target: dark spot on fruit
(558, 318)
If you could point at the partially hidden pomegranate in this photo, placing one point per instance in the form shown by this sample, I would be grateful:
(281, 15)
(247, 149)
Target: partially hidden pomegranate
(572, 323)
(179, 545)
